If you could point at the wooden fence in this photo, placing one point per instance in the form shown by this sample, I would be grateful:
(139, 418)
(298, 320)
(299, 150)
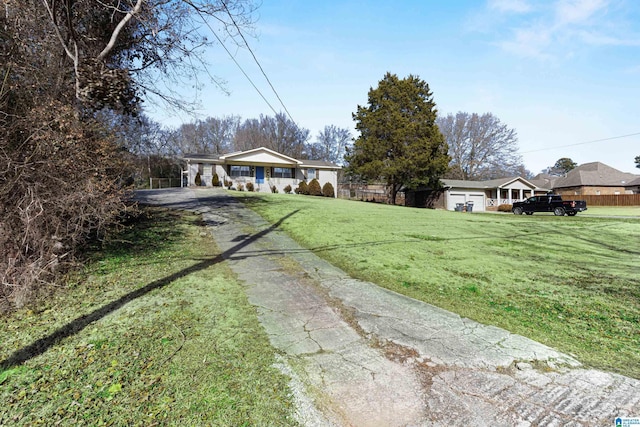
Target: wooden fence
(609, 199)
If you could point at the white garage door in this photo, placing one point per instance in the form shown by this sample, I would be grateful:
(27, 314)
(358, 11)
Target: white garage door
(478, 202)
(476, 198)
(456, 198)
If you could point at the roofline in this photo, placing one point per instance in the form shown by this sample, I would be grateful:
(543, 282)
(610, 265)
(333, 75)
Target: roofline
(516, 179)
(226, 156)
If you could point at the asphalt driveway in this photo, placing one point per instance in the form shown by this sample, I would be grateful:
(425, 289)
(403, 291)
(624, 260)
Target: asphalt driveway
(360, 355)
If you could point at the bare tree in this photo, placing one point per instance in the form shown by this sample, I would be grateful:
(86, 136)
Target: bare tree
(118, 49)
(331, 144)
(212, 135)
(480, 146)
(277, 133)
(63, 166)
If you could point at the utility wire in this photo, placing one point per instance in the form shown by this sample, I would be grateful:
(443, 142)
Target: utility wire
(256, 60)
(234, 60)
(580, 143)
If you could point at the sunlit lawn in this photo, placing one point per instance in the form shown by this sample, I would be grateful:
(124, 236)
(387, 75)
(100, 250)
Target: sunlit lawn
(189, 353)
(569, 282)
(633, 211)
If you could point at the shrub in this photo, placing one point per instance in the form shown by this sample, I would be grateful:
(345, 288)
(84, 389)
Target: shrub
(287, 189)
(505, 208)
(240, 187)
(314, 188)
(60, 189)
(274, 189)
(215, 181)
(302, 188)
(327, 190)
(250, 186)
(198, 179)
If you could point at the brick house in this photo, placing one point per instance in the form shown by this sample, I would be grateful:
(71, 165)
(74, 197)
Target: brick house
(595, 179)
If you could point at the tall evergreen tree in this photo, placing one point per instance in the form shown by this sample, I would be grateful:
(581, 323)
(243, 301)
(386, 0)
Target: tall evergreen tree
(399, 140)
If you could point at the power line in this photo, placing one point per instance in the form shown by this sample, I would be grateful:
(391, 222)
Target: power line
(234, 60)
(580, 143)
(256, 60)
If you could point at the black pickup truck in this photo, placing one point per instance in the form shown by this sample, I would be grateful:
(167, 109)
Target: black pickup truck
(549, 203)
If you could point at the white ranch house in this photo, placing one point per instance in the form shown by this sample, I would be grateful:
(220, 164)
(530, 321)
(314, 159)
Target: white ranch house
(263, 167)
(487, 195)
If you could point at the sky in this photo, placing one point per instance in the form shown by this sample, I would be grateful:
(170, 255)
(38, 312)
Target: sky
(565, 74)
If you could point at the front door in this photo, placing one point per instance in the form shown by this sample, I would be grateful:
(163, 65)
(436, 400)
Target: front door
(259, 174)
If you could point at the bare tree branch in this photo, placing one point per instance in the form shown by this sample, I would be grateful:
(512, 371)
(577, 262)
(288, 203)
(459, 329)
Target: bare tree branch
(118, 29)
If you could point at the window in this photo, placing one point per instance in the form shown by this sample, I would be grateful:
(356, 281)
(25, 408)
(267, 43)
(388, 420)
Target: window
(282, 172)
(311, 174)
(239, 170)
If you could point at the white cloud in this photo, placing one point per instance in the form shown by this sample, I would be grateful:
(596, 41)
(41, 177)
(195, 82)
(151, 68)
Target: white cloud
(560, 28)
(594, 38)
(531, 42)
(510, 6)
(577, 11)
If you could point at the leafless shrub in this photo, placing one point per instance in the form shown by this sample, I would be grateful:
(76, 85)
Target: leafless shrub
(60, 184)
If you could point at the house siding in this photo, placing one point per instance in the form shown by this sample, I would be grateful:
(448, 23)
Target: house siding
(207, 169)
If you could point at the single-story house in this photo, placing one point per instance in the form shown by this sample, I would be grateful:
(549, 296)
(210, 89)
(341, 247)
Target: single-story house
(484, 195)
(263, 167)
(596, 179)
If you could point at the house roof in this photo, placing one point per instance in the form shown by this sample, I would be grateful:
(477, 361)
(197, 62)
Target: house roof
(260, 154)
(319, 164)
(208, 157)
(544, 181)
(257, 156)
(492, 183)
(595, 174)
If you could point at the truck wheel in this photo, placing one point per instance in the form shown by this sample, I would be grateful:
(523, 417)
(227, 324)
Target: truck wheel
(558, 211)
(517, 211)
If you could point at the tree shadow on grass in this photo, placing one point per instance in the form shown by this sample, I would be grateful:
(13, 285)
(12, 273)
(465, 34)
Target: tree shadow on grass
(43, 344)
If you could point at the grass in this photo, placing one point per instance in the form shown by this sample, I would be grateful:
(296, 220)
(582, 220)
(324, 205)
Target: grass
(569, 282)
(633, 211)
(190, 351)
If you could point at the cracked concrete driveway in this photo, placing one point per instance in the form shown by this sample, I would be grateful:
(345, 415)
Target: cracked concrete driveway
(360, 355)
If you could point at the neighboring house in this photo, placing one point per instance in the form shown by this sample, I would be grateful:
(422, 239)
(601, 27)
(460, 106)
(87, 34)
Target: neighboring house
(595, 179)
(263, 167)
(484, 195)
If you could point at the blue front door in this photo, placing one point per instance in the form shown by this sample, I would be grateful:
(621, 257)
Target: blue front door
(259, 174)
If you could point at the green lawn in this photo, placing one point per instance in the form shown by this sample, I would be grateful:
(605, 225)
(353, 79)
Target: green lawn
(633, 211)
(190, 351)
(569, 282)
